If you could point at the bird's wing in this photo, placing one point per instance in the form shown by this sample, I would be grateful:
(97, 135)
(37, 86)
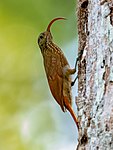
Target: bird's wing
(54, 70)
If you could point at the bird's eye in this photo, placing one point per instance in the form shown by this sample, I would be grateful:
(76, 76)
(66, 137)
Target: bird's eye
(41, 37)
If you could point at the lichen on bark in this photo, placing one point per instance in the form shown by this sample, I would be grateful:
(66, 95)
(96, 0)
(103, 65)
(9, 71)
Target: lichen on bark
(95, 84)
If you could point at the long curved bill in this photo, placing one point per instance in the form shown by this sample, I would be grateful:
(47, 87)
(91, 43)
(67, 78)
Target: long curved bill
(52, 21)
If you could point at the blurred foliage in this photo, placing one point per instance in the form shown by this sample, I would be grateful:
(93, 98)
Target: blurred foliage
(25, 113)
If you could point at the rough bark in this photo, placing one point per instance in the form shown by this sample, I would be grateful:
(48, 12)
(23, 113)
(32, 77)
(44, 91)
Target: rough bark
(95, 82)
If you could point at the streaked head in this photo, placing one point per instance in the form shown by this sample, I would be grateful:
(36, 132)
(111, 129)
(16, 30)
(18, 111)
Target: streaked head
(46, 36)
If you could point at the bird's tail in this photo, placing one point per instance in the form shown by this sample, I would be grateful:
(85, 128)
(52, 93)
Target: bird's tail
(69, 108)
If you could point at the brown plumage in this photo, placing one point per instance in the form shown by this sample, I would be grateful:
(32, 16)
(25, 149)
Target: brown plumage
(57, 71)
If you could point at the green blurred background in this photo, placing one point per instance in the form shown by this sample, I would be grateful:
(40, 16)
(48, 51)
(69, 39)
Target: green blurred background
(30, 119)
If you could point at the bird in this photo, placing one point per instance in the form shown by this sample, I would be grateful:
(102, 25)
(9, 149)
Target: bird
(57, 69)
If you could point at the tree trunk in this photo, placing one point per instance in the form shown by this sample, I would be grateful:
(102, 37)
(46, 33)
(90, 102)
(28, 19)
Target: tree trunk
(95, 72)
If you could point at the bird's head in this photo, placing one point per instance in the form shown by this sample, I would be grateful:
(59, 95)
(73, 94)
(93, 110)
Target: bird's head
(46, 36)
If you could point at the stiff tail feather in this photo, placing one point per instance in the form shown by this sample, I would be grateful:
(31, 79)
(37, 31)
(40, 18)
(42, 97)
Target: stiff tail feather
(69, 108)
